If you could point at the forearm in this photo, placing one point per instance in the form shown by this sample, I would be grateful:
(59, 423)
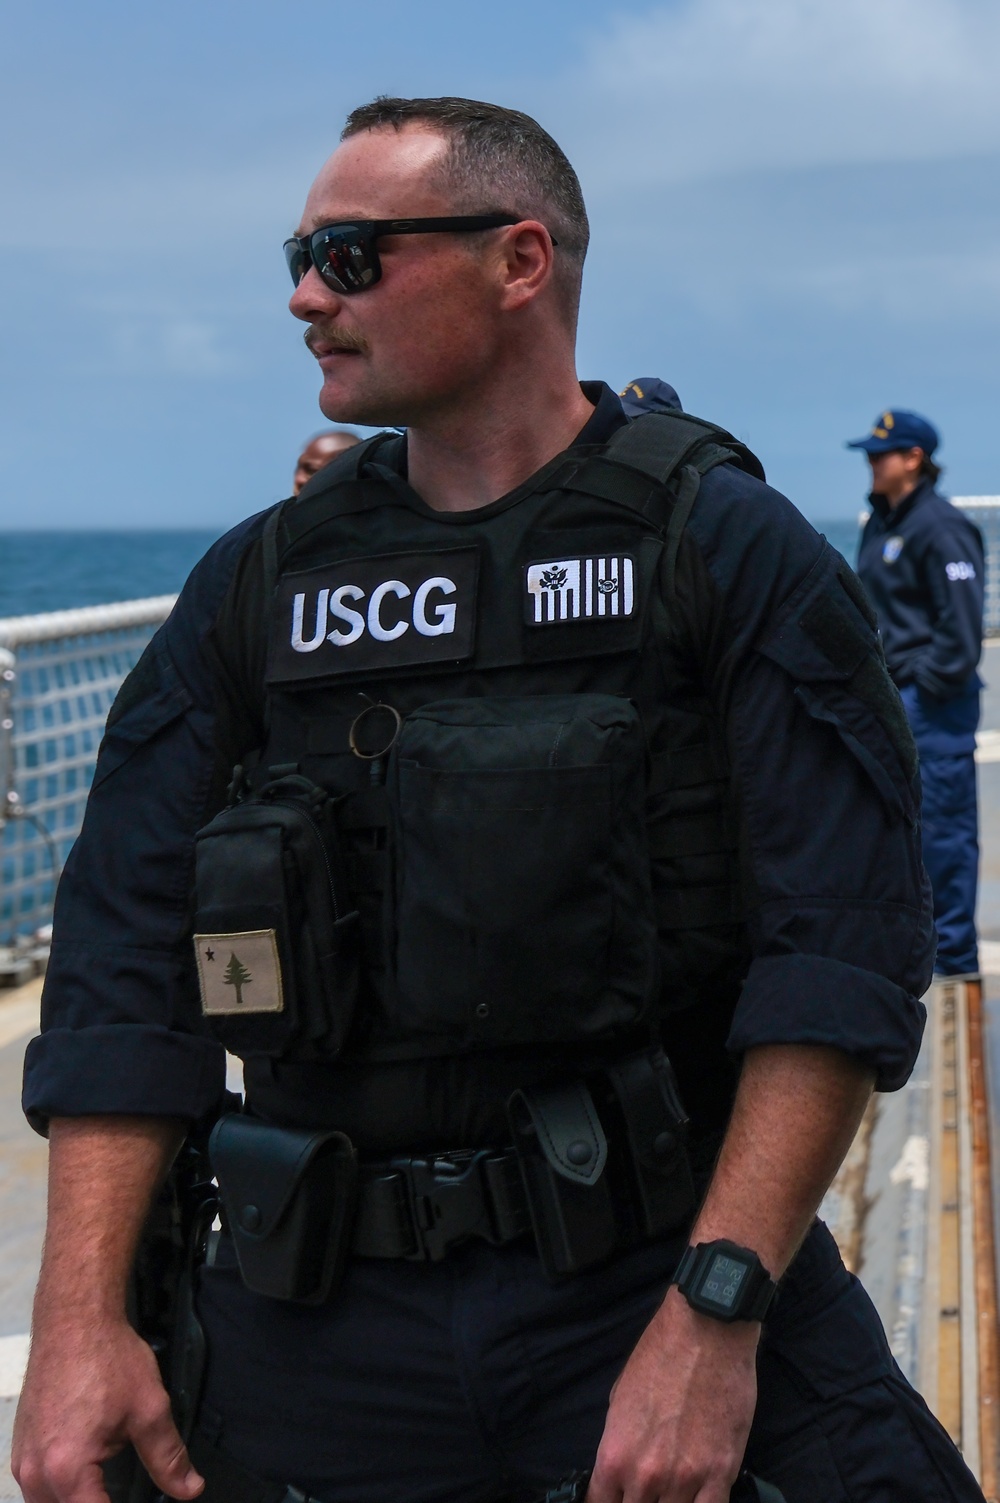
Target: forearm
(92, 1383)
(681, 1411)
(103, 1172)
(796, 1112)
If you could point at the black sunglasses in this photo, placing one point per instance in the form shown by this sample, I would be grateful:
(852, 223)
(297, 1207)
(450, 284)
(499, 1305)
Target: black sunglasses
(345, 254)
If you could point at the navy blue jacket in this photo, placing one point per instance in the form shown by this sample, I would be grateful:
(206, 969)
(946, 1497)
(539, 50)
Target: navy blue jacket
(838, 924)
(923, 568)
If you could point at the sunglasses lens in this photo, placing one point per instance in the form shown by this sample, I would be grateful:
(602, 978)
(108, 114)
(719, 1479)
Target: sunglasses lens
(345, 258)
(298, 260)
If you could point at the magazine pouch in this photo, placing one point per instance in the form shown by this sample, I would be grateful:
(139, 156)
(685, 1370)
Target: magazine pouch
(563, 1153)
(522, 906)
(275, 935)
(289, 1198)
(648, 1129)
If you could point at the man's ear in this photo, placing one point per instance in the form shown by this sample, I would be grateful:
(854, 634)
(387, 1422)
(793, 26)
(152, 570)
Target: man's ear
(526, 262)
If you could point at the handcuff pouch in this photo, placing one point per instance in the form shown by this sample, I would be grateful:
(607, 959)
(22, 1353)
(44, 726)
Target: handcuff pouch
(289, 1198)
(563, 1151)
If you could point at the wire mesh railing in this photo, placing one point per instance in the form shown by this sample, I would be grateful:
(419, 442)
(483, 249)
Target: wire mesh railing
(985, 512)
(59, 674)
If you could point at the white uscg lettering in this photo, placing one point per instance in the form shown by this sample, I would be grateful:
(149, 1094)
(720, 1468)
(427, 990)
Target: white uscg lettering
(430, 619)
(298, 609)
(354, 619)
(444, 621)
(364, 614)
(386, 633)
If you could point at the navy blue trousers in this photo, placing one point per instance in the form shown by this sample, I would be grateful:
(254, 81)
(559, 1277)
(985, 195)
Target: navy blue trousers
(951, 855)
(473, 1380)
(945, 733)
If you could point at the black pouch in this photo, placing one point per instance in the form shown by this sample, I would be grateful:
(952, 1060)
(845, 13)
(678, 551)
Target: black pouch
(648, 1128)
(275, 935)
(604, 1161)
(563, 1152)
(521, 906)
(289, 1198)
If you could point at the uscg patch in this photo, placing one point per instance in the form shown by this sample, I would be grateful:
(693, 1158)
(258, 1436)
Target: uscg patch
(239, 972)
(579, 589)
(892, 548)
(375, 614)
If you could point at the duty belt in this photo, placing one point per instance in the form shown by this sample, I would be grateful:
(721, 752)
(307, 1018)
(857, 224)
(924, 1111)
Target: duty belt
(418, 1208)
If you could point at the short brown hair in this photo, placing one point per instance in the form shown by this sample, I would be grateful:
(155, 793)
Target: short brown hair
(500, 162)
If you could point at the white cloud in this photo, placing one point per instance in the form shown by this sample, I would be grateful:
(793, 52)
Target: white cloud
(702, 87)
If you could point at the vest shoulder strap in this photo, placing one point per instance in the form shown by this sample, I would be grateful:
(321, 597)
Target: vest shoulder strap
(659, 444)
(674, 450)
(346, 467)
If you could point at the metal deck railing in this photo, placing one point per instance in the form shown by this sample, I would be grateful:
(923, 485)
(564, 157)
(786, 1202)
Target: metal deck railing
(985, 512)
(58, 676)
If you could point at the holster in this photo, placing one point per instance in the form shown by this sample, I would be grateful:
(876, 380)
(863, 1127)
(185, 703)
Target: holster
(604, 1161)
(289, 1198)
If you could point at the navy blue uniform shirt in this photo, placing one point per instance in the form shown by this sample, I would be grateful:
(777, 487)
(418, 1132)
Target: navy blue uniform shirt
(837, 911)
(923, 568)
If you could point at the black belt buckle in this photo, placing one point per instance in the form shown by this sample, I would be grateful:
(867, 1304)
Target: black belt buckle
(448, 1201)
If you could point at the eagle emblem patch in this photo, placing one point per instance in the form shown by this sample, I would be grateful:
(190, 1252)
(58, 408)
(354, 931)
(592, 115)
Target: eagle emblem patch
(579, 589)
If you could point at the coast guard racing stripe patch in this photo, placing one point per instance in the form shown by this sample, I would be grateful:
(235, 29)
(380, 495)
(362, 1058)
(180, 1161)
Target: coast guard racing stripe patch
(579, 589)
(366, 614)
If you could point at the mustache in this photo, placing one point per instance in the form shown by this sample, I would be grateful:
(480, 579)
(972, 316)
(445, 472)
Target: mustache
(338, 339)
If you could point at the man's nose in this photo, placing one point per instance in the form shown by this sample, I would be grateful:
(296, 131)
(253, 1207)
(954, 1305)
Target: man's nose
(313, 298)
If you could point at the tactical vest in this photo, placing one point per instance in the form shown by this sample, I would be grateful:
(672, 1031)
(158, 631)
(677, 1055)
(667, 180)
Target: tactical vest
(529, 807)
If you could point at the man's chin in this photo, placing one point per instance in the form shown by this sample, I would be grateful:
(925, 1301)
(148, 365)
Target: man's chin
(371, 411)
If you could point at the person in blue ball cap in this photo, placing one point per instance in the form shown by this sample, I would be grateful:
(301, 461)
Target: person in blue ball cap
(649, 394)
(921, 561)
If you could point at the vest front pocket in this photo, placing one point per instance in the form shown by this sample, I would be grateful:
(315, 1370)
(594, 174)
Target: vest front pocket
(521, 897)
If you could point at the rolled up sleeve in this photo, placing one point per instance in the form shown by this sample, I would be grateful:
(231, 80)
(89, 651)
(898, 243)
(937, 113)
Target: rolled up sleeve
(826, 790)
(122, 1031)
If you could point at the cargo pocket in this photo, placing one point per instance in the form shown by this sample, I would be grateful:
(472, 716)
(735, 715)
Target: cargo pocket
(826, 641)
(521, 906)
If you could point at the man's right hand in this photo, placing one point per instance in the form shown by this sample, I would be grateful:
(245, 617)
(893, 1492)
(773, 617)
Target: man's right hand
(86, 1395)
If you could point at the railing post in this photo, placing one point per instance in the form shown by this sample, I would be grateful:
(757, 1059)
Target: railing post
(8, 676)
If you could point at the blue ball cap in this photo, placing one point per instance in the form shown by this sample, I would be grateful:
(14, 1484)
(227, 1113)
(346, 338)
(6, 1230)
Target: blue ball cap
(896, 429)
(649, 394)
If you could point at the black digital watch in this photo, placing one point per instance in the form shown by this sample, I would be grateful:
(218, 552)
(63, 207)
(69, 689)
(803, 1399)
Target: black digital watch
(725, 1281)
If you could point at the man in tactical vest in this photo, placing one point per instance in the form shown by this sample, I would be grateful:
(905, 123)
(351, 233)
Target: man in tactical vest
(565, 905)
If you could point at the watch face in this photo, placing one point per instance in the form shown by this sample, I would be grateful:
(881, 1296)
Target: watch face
(723, 1281)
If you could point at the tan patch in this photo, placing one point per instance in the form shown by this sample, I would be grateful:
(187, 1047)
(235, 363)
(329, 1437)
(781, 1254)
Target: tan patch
(239, 973)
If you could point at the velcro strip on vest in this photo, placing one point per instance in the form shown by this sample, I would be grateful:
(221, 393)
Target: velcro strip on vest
(364, 809)
(702, 834)
(696, 907)
(368, 871)
(686, 767)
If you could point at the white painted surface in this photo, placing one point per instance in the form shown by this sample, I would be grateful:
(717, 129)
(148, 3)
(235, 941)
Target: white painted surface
(13, 1361)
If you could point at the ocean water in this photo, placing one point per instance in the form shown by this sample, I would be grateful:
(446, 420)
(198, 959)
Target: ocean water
(55, 571)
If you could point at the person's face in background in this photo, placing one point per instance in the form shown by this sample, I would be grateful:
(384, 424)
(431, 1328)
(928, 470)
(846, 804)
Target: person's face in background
(895, 474)
(319, 453)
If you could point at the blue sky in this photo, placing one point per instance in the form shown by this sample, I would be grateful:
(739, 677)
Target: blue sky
(795, 211)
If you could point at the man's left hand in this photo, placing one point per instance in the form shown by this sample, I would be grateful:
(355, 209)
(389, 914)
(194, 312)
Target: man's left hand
(681, 1411)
